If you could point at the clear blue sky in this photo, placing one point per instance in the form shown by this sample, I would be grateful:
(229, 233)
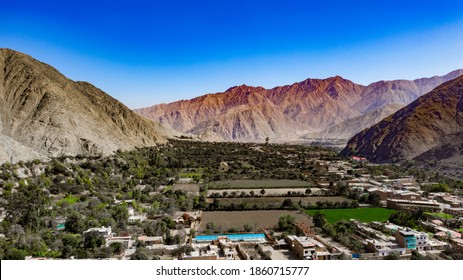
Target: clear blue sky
(149, 52)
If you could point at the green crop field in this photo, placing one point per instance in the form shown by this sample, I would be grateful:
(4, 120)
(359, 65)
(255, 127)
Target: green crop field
(362, 214)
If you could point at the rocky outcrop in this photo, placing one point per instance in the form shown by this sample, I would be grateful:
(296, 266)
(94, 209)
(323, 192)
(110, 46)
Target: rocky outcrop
(430, 126)
(42, 110)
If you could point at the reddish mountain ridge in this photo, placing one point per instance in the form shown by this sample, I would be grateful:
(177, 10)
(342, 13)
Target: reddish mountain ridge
(308, 108)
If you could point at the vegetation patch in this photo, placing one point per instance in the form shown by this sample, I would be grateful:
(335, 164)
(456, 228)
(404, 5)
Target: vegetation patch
(365, 215)
(440, 215)
(69, 199)
(266, 201)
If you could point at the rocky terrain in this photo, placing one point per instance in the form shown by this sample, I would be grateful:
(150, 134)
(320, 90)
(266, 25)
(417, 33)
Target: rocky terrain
(43, 113)
(430, 128)
(333, 108)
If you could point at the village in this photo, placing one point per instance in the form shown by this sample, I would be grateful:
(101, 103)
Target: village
(321, 209)
(379, 239)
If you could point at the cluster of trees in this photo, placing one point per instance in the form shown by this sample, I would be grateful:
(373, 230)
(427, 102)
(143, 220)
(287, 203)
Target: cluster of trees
(411, 219)
(94, 192)
(286, 204)
(342, 232)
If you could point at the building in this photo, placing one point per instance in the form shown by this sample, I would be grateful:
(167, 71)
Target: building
(454, 211)
(104, 231)
(407, 195)
(134, 217)
(199, 255)
(308, 248)
(411, 239)
(436, 245)
(384, 248)
(150, 240)
(403, 204)
(406, 239)
(457, 244)
(126, 241)
(382, 193)
(304, 229)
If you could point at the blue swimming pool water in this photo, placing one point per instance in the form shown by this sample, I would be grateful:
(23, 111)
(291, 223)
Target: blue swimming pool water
(233, 237)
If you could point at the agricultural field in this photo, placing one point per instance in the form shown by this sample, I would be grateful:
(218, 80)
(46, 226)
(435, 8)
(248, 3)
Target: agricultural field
(258, 184)
(224, 220)
(190, 188)
(268, 192)
(365, 215)
(264, 201)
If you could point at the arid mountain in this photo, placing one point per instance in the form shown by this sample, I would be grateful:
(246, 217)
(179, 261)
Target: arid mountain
(333, 108)
(430, 127)
(347, 129)
(401, 92)
(317, 103)
(44, 112)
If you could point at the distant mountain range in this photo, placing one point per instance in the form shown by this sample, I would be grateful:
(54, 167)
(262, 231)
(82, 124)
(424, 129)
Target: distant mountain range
(42, 114)
(333, 108)
(428, 129)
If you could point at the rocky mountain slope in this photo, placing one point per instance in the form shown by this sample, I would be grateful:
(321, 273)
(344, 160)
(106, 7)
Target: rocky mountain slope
(44, 112)
(333, 108)
(429, 128)
(348, 128)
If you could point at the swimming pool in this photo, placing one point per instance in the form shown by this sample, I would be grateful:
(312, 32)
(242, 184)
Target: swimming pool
(251, 237)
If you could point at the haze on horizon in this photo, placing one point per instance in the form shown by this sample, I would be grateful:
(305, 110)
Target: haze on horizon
(150, 52)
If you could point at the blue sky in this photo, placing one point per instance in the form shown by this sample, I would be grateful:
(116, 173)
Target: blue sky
(150, 52)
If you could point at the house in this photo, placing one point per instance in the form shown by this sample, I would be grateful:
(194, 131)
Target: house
(136, 218)
(200, 255)
(407, 195)
(104, 231)
(302, 228)
(436, 245)
(384, 248)
(457, 244)
(187, 219)
(406, 239)
(444, 233)
(150, 240)
(382, 193)
(308, 248)
(126, 241)
(411, 239)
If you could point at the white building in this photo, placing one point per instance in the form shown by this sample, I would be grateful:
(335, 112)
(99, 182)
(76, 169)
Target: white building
(104, 231)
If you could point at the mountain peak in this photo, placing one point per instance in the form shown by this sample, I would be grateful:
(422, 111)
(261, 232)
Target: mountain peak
(244, 88)
(43, 111)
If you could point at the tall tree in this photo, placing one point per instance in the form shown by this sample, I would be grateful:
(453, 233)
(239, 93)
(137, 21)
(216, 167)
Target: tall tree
(27, 206)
